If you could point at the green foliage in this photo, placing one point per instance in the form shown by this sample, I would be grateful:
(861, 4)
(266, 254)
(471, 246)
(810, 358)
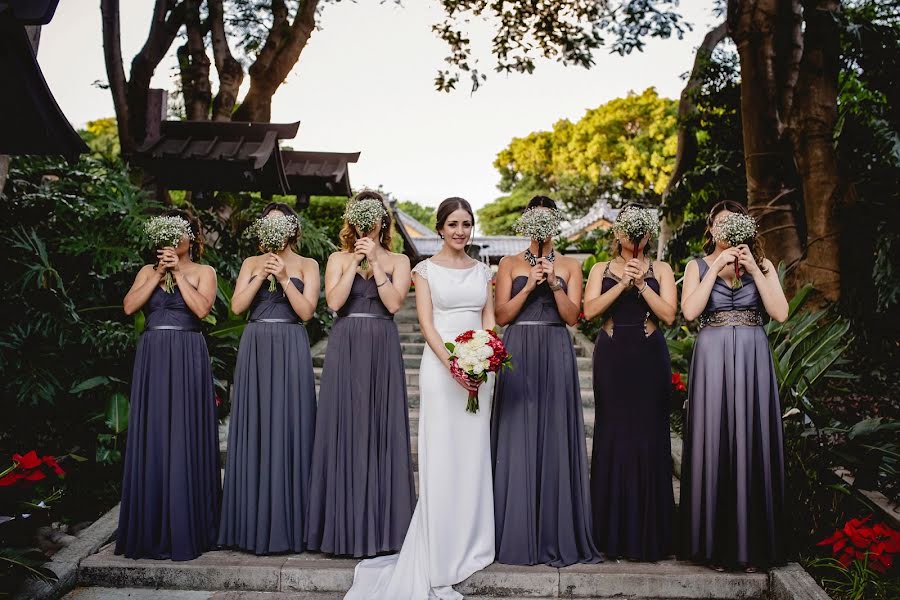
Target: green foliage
(327, 213)
(102, 137)
(423, 214)
(622, 150)
(856, 582)
(569, 31)
(499, 216)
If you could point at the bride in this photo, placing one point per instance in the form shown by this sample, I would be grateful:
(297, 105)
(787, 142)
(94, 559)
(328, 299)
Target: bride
(451, 534)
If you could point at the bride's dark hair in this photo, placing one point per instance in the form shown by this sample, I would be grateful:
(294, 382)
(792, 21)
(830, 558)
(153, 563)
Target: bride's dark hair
(447, 207)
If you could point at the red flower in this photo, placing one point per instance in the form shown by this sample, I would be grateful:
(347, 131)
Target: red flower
(51, 462)
(854, 541)
(677, 383)
(29, 461)
(218, 400)
(465, 336)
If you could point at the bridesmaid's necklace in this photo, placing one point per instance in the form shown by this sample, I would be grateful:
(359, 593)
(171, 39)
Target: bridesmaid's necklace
(532, 259)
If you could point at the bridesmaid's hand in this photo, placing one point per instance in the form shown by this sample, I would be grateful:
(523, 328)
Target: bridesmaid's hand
(548, 269)
(367, 248)
(275, 266)
(535, 277)
(725, 259)
(168, 259)
(634, 272)
(747, 260)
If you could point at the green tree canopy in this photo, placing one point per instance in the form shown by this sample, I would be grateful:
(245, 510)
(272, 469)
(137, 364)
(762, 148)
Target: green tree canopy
(421, 213)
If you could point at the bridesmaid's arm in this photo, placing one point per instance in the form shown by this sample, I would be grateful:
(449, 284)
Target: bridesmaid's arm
(595, 301)
(487, 313)
(507, 308)
(393, 291)
(198, 299)
(773, 298)
(425, 311)
(245, 287)
(304, 304)
(339, 276)
(568, 301)
(145, 282)
(663, 304)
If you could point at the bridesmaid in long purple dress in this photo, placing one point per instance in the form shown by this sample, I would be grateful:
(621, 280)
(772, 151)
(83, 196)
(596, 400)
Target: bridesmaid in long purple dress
(631, 466)
(273, 414)
(542, 511)
(170, 489)
(732, 474)
(362, 494)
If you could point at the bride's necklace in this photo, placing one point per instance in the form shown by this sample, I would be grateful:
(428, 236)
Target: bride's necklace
(532, 259)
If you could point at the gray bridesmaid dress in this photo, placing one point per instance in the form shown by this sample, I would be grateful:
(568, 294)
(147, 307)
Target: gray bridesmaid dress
(542, 507)
(270, 436)
(362, 492)
(732, 487)
(170, 488)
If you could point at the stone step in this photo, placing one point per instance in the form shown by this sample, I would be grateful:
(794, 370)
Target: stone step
(585, 380)
(312, 573)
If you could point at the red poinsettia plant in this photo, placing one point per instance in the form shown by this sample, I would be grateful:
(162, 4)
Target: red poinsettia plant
(678, 383)
(857, 541)
(30, 468)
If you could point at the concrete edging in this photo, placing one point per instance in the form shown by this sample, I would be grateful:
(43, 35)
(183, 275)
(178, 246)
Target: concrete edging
(65, 563)
(792, 582)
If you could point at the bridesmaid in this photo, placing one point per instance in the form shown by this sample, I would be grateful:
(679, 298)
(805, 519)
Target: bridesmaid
(631, 467)
(542, 511)
(273, 411)
(732, 474)
(362, 493)
(170, 490)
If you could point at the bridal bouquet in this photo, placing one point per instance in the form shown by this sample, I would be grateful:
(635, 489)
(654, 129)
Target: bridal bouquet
(363, 214)
(273, 233)
(476, 353)
(736, 229)
(166, 232)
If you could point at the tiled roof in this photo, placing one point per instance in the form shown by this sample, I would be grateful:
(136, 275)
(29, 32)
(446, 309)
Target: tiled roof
(408, 221)
(600, 211)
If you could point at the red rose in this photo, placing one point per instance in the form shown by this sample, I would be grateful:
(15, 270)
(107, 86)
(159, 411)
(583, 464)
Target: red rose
(465, 336)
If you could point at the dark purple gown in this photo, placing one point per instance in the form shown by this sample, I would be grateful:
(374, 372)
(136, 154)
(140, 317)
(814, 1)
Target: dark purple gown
(362, 493)
(631, 467)
(542, 512)
(270, 435)
(732, 474)
(170, 489)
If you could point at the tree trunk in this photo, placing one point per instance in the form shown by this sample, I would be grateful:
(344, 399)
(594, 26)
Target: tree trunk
(231, 73)
(768, 162)
(811, 130)
(277, 57)
(687, 139)
(194, 66)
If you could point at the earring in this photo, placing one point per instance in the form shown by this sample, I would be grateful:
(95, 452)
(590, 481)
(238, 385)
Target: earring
(442, 235)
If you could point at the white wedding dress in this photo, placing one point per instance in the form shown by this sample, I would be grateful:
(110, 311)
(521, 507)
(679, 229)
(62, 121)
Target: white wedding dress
(451, 534)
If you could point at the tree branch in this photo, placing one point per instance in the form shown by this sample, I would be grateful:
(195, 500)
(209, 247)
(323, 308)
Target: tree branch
(687, 139)
(115, 70)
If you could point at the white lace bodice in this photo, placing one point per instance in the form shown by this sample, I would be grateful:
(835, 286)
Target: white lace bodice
(456, 292)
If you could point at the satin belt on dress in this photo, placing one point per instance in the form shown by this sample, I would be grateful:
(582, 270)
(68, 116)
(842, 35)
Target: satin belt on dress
(172, 328)
(367, 316)
(288, 321)
(540, 323)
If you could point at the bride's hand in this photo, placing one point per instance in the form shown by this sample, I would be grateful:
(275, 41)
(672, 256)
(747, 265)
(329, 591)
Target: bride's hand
(460, 377)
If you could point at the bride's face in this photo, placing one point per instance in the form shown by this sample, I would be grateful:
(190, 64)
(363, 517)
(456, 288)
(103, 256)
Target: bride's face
(457, 229)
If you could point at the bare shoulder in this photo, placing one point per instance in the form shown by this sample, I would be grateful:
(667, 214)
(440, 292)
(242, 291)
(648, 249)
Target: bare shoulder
(597, 268)
(339, 257)
(307, 263)
(569, 262)
(399, 259)
(661, 266)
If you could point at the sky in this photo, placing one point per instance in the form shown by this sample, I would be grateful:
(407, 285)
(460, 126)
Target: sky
(365, 82)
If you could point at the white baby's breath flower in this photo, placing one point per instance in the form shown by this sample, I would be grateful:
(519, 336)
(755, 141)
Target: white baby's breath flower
(735, 229)
(539, 223)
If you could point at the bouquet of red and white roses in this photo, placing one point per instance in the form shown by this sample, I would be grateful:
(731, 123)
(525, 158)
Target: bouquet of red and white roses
(476, 353)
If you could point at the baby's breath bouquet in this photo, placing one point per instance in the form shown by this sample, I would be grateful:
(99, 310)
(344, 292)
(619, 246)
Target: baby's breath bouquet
(636, 222)
(539, 224)
(363, 215)
(273, 233)
(736, 229)
(166, 232)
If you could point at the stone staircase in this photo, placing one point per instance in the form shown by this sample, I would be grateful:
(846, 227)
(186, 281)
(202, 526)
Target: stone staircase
(229, 575)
